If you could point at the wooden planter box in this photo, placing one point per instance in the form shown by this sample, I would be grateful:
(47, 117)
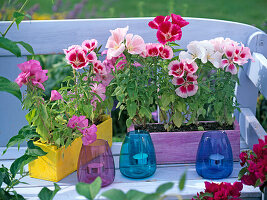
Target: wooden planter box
(59, 163)
(181, 147)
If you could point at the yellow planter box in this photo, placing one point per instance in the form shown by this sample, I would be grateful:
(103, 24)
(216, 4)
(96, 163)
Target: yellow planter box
(59, 163)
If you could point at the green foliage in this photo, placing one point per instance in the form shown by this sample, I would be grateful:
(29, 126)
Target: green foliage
(182, 181)
(116, 194)
(10, 87)
(47, 194)
(89, 190)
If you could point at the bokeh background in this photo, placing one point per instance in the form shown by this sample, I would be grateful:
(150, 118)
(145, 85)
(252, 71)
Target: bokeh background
(253, 12)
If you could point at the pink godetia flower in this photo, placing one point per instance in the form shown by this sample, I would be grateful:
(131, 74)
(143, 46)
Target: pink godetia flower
(55, 95)
(99, 90)
(99, 68)
(110, 63)
(165, 52)
(115, 43)
(78, 122)
(157, 21)
(194, 51)
(76, 56)
(89, 135)
(176, 68)
(187, 86)
(90, 45)
(92, 58)
(177, 19)
(135, 44)
(168, 32)
(31, 73)
(152, 50)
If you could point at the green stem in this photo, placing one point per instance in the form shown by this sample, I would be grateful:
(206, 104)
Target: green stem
(22, 7)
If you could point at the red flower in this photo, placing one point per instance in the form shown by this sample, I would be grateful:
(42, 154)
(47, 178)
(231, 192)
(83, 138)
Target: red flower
(177, 19)
(168, 32)
(157, 21)
(243, 157)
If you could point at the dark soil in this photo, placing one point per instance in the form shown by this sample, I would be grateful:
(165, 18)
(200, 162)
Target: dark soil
(207, 126)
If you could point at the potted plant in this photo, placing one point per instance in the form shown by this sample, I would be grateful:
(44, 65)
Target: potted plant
(184, 89)
(73, 116)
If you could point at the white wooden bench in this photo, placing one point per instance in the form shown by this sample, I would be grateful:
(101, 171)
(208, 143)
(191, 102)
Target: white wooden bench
(50, 37)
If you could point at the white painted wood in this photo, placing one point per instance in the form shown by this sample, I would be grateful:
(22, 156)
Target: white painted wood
(164, 173)
(257, 73)
(48, 37)
(51, 36)
(12, 118)
(250, 128)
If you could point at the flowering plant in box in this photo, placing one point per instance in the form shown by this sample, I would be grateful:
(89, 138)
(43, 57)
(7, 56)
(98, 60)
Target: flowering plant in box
(193, 85)
(223, 190)
(72, 111)
(136, 66)
(254, 163)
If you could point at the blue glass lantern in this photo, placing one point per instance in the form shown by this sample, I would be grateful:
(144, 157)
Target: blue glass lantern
(137, 157)
(214, 156)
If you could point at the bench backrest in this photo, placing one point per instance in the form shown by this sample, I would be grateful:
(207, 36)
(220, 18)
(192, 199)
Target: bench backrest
(50, 37)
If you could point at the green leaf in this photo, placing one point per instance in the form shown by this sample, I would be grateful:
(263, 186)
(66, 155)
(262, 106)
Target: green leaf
(18, 17)
(30, 115)
(135, 195)
(164, 187)
(1, 179)
(242, 172)
(206, 194)
(114, 194)
(34, 150)
(145, 112)
(46, 194)
(17, 139)
(153, 196)
(258, 183)
(19, 163)
(182, 181)
(89, 190)
(10, 46)
(10, 87)
(129, 122)
(177, 119)
(131, 109)
(27, 47)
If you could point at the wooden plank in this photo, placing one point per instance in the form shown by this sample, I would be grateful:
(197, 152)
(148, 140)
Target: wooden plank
(250, 129)
(51, 36)
(12, 116)
(257, 73)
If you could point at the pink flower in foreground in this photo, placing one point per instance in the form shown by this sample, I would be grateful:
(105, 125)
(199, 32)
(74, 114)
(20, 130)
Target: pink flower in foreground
(76, 56)
(55, 95)
(92, 57)
(177, 19)
(243, 157)
(115, 43)
(176, 68)
(31, 73)
(99, 68)
(157, 21)
(100, 90)
(228, 62)
(152, 50)
(109, 63)
(168, 32)
(89, 135)
(188, 87)
(166, 52)
(79, 122)
(90, 45)
(135, 44)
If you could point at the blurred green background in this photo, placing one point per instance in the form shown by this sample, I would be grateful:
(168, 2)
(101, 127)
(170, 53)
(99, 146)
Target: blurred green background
(253, 12)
